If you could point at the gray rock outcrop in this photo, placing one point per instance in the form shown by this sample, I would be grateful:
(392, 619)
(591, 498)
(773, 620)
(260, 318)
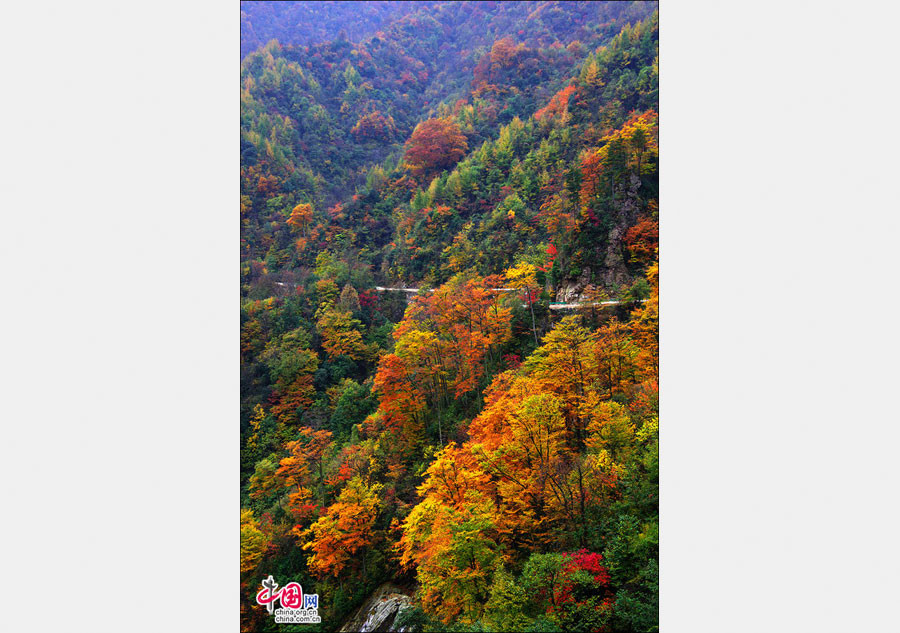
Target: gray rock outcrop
(379, 613)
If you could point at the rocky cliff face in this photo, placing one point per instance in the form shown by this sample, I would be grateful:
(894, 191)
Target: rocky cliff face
(625, 211)
(613, 271)
(380, 611)
(570, 291)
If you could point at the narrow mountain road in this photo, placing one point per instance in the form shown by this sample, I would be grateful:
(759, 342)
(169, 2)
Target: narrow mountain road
(415, 290)
(553, 305)
(595, 304)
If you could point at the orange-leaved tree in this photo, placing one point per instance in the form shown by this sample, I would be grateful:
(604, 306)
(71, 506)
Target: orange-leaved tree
(300, 217)
(303, 470)
(337, 538)
(443, 343)
(435, 145)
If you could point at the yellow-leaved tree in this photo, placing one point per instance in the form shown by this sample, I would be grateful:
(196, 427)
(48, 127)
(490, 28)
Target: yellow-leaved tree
(253, 542)
(523, 277)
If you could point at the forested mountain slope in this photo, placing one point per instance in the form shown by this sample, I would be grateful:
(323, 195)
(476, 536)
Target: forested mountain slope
(495, 455)
(315, 120)
(306, 23)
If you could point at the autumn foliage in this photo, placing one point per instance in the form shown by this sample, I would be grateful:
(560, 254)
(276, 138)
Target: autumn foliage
(441, 349)
(504, 51)
(435, 144)
(374, 126)
(558, 107)
(300, 217)
(550, 446)
(335, 538)
(642, 240)
(450, 346)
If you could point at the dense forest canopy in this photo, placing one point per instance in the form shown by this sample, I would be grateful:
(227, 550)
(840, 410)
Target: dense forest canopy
(489, 439)
(308, 23)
